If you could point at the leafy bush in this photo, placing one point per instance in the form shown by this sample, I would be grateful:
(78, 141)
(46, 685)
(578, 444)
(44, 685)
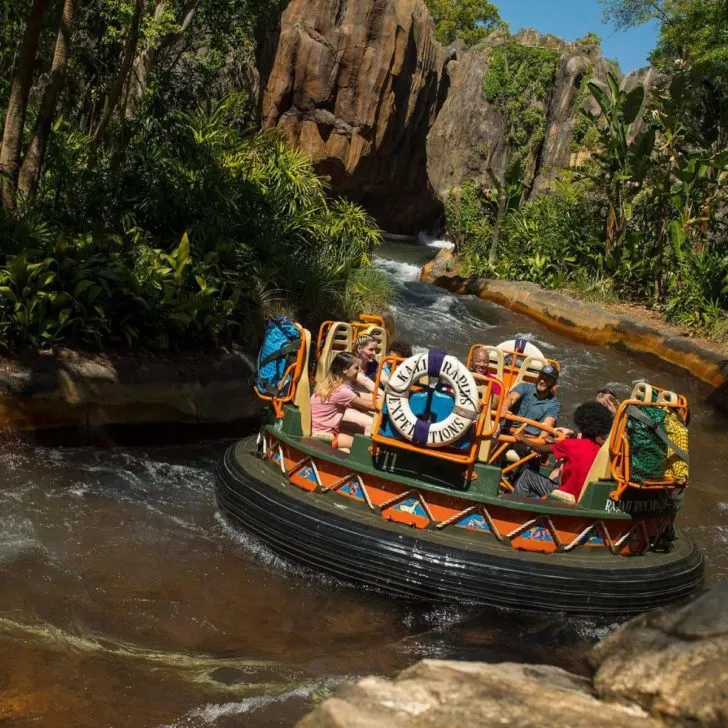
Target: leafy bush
(189, 239)
(552, 238)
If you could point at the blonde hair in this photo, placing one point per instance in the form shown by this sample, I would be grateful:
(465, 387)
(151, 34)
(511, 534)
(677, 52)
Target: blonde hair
(336, 375)
(363, 340)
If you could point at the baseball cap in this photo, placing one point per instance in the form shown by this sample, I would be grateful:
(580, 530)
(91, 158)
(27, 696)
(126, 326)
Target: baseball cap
(551, 372)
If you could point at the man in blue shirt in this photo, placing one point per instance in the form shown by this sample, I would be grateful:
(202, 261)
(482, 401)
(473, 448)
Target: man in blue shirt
(536, 402)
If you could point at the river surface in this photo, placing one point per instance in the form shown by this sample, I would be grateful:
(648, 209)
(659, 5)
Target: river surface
(125, 600)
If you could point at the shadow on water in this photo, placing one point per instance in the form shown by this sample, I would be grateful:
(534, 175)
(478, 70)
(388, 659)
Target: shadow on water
(126, 600)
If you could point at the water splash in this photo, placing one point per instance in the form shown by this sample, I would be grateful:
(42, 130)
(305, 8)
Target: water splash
(432, 241)
(211, 713)
(398, 270)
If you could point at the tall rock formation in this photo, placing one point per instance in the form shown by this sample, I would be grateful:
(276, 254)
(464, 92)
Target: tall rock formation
(356, 84)
(396, 120)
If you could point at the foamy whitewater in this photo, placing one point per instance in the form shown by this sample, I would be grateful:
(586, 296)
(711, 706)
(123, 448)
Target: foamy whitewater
(431, 241)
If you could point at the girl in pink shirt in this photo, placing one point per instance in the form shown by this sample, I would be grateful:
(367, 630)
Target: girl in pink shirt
(332, 398)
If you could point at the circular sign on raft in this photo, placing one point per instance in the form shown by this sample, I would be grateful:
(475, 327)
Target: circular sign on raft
(435, 364)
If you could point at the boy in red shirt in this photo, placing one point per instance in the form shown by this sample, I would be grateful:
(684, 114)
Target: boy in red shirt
(594, 422)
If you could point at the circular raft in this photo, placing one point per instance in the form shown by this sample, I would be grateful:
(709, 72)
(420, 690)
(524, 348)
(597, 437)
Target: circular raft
(350, 542)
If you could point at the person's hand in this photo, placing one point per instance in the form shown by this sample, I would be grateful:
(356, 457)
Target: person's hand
(564, 431)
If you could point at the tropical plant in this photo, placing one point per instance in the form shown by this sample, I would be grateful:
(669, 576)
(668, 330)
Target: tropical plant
(507, 193)
(622, 160)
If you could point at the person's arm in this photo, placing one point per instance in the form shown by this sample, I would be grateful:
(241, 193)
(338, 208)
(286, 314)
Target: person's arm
(540, 447)
(508, 401)
(364, 381)
(363, 402)
(552, 415)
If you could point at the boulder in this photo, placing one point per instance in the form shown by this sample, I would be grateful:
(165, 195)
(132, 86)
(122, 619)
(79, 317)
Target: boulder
(72, 389)
(663, 668)
(396, 120)
(448, 694)
(671, 662)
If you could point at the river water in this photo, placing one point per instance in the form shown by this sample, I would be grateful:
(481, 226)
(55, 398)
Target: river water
(125, 600)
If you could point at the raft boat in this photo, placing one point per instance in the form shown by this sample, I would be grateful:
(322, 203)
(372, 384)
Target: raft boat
(423, 507)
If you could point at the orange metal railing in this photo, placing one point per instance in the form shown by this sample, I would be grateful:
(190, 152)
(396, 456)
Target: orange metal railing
(619, 447)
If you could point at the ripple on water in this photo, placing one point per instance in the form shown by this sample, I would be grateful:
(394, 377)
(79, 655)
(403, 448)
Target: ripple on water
(213, 712)
(280, 565)
(17, 536)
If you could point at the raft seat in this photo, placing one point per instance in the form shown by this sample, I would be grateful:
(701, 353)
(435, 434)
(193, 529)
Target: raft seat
(339, 337)
(601, 469)
(302, 398)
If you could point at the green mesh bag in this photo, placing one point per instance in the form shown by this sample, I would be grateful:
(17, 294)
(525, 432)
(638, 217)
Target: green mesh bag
(647, 451)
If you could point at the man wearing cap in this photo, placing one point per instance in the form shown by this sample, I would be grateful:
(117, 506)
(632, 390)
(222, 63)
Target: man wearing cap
(535, 402)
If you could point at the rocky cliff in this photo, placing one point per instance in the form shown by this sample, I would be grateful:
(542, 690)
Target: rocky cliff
(665, 668)
(396, 120)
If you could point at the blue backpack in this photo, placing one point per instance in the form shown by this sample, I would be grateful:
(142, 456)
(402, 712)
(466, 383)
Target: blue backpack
(280, 346)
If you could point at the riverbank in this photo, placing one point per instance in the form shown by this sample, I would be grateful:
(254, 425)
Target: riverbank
(84, 392)
(662, 668)
(590, 323)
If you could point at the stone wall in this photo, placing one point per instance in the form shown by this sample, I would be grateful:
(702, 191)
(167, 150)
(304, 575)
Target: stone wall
(68, 389)
(586, 322)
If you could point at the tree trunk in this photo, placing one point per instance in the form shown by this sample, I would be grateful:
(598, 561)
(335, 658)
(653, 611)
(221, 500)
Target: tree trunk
(117, 88)
(18, 105)
(502, 204)
(35, 153)
(661, 235)
(144, 63)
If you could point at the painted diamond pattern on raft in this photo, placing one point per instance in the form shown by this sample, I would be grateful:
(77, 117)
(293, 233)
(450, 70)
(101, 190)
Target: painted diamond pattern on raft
(538, 533)
(476, 518)
(309, 473)
(475, 521)
(411, 506)
(353, 489)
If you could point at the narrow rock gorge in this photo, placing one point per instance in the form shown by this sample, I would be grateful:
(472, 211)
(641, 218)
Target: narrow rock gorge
(397, 121)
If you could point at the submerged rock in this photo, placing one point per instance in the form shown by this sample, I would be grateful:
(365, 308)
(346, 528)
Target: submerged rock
(666, 667)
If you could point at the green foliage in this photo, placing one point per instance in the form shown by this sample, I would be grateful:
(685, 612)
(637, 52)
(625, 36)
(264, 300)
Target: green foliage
(468, 221)
(692, 41)
(585, 135)
(174, 224)
(518, 82)
(553, 238)
(621, 162)
(191, 239)
(467, 20)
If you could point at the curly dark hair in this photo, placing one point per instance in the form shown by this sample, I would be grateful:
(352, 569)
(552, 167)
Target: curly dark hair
(400, 348)
(593, 420)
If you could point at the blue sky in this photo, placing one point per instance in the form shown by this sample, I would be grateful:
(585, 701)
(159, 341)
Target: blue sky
(571, 19)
